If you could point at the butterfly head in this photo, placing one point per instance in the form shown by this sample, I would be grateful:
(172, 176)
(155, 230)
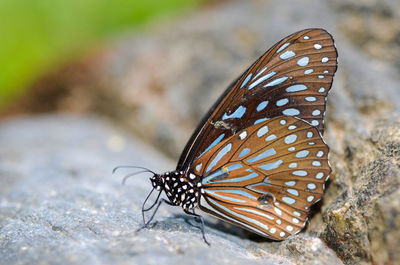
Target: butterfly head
(157, 181)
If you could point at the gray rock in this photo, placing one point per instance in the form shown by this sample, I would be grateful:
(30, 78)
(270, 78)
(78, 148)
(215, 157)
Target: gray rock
(60, 204)
(159, 84)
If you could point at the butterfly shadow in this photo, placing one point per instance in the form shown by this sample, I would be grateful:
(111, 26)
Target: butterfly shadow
(220, 226)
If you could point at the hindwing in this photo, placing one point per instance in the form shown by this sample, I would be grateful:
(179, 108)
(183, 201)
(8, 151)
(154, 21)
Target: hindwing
(265, 177)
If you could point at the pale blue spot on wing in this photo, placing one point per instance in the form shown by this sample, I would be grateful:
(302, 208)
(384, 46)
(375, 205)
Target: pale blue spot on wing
(296, 88)
(308, 71)
(265, 154)
(262, 105)
(262, 131)
(239, 112)
(246, 80)
(270, 137)
(300, 173)
(259, 73)
(287, 55)
(310, 99)
(258, 81)
(303, 61)
(271, 166)
(282, 102)
(302, 154)
(290, 183)
(283, 47)
(276, 81)
(244, 152)
(293, 192)
(234, 167)
(218, 157)
(288, 200)
(216, 141)
(290, 139)
(291, 112)
(260, 120)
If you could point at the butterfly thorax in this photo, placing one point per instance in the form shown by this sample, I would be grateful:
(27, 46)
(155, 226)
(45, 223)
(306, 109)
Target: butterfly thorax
(182, 189)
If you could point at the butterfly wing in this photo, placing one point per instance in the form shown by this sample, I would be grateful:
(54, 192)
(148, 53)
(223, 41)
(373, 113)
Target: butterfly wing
(265, 177)
(292, 79)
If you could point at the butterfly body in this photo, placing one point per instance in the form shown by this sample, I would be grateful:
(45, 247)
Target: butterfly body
(182, 189)
(257, 159)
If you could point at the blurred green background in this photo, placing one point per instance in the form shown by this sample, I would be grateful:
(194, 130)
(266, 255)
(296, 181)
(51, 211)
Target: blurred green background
(36, 35)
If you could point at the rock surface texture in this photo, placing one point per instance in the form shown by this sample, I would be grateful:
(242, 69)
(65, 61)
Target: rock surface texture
(158, 85)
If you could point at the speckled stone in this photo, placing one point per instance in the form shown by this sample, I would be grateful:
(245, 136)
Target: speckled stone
(60, 203)
(158, 84)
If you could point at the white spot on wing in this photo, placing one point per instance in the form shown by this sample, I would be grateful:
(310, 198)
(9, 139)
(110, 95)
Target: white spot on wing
(316, 112)
(283, 47)
(290, 183)
(259, 73)
(311, 186)
(242, 135)
(303, 61)
(276, 81)
(301, 173)
(293, 192)
(261, 79)
(308, 71)
(317, 46)
(302, 154)
(287, 54)
(198, 167)
(288, 200)
(262, 131)
(316, 163)
(290, 139)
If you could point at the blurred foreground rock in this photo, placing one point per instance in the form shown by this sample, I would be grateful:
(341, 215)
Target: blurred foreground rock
(160, 83)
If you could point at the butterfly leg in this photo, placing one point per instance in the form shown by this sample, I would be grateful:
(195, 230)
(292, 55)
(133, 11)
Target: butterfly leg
(199, 217)
(146, 225)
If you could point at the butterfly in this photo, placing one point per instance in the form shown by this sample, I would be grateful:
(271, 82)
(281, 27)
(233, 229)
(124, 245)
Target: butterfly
(257, 159)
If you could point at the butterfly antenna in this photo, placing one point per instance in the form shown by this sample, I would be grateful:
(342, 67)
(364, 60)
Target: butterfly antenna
(132, 174)
(118, 167)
